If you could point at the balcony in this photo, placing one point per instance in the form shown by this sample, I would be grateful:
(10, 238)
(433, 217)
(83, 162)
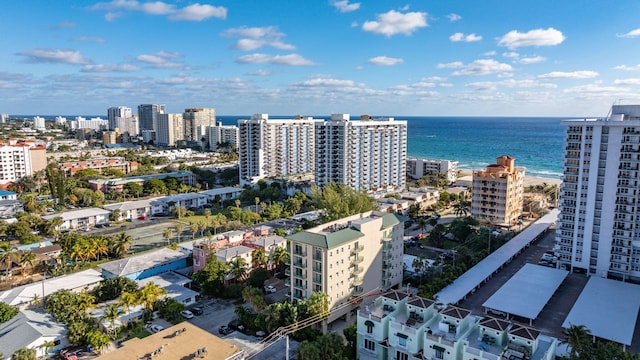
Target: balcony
(357, 270)
(356, 281)
(357, 249)
(357, 260)
(300, 252)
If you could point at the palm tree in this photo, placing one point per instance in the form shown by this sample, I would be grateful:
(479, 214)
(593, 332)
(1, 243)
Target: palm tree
(202, 226)
(8, 255)
(101, 246)
(149, 294)
(238, 268)
(111, 314)
(179, 229)
(579, 338)
(166, 233)
(207, 215)
(85, 301)
(27, 261)
(129, 299)
(254, 297)
(47, 345)
(218, 220)
(193, 227)
(280, 257)
(53, 226)
(259, 258)
(418, 266)
(461, 208)
(121, 244)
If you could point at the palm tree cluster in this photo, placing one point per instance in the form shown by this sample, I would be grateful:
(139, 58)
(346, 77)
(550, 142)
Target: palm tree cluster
(83, 248)
(582, 346)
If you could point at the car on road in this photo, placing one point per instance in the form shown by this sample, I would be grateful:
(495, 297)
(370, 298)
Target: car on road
(153, 328)
(197, 311)
(270, 289)
(186, 314)
(224, 330)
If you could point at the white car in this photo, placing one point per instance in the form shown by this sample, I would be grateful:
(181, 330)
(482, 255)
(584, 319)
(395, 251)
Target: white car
(153, 328)
(187, 314)
(549, 257)
(270, 289)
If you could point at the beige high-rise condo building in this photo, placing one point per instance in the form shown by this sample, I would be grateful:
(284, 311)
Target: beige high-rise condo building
(19, 158)
(497, 193)
(170, 129)
(599, 197)
(194, 119)
(275, 147)
(353, 256)
(367, 154)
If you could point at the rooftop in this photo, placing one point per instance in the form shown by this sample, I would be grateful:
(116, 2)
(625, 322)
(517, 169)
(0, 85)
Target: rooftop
(231, 252)
(142, 262)
(78, 214)
(181, 341)
(27, 327)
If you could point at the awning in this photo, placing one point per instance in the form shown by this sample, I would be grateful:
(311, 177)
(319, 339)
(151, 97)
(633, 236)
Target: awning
(438, 348)
(369, 323)
(403, 336)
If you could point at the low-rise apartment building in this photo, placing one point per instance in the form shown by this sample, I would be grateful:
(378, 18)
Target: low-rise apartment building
(420, 167)
(100, 164)
(106, 185)
(353, 256)
(404, 327)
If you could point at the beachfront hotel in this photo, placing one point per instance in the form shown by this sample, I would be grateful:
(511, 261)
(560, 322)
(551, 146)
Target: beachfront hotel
(417, 168)
(599, 214)
(275, 147)
(497, 193)
(353, 256)
(369, 154)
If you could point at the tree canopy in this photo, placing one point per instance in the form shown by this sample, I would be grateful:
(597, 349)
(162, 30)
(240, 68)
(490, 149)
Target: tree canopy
(339, 201)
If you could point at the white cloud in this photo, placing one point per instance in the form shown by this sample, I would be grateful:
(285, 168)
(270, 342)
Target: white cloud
(110, 68)
(161, 60)
(628, 68)
(532, 60)
(65, 25)
(194, 12)
(466, 38)
(197, 12)
(393, 22)
(511, 55)
(385, 61)
(260, 72)
(630, 34)
(61, 56)
(289, 60)
(253, 38)
(510, 83)
(627, 81)
(90, 39)
(454, 17)
(538, 37)
(583, 74)
(343, 6)
(451, 65)
(489, 53)
(483, 67)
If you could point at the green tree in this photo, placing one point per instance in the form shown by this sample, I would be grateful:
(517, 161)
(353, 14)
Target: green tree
(149, 294)
(154, 187)
(280, 257)
(97, 340)
(24, 354)
(212, 276)
(133, 189)
(77, 332)
(115, 215)
(166, 234)
(120, 244)
(340, 201)
(579, 339)
(111, 314)
(129, 299)
(111, 289)
(179, 229)
(27, 261)
(7, 312)
(254, 297)
(259, 258)
(238, 268)
(317, 305)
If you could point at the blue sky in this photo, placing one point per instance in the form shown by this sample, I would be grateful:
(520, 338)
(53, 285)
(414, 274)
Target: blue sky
(430, 58)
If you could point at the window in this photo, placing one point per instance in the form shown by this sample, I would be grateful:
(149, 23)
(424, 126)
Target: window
(402, 339)
(401, 356)
(369, 345)
(439, 351)
(369, 324)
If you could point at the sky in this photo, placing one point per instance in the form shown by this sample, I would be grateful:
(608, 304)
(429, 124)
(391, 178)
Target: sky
(318, 57)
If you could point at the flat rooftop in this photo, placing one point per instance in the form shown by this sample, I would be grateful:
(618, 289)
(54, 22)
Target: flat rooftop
(181, 341)
(528, 291)
(608, 308)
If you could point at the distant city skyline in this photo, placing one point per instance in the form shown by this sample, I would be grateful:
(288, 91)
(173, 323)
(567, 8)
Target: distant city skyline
(464, 58)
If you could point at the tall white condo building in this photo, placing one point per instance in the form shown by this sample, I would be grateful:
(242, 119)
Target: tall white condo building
(599, 225)
(369, 154)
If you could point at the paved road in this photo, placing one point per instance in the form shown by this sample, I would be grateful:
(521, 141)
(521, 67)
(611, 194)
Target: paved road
(552, 316)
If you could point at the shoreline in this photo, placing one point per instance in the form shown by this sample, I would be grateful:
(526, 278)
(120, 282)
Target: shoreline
(466, 175)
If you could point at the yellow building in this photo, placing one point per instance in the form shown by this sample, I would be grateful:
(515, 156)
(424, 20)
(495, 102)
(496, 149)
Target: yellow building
(497, 193)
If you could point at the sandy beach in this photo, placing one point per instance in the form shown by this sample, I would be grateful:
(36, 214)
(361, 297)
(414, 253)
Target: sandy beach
(466, 175)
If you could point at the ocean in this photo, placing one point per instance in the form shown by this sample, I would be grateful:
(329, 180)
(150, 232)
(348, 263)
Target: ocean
(535, 142)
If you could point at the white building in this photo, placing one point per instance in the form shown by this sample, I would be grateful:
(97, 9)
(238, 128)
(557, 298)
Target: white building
(230, 254)
(599, 212)
(118, 112)
(31, 329)
(38, 123)
(170, 128)
(81, 218)
(353, 256)
(369, 154)
(220, 134)
(96, 124)
(19, 158)
(137, 209)
(275, 147)
(418, 168)
(61, 120)
(4, 118)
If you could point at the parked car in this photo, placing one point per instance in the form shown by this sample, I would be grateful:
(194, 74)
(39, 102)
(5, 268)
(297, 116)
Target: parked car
(549, 257)
(197, 311)
(71, 354)
(187, 314)
(235, 325)
(224, 330)
(270, 289)
(153, 328)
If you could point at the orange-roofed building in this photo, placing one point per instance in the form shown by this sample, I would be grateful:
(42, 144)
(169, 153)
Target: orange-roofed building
(99, 164)
(498, 192)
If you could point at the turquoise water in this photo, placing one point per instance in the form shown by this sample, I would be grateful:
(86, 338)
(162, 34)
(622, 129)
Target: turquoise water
(536, 143)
